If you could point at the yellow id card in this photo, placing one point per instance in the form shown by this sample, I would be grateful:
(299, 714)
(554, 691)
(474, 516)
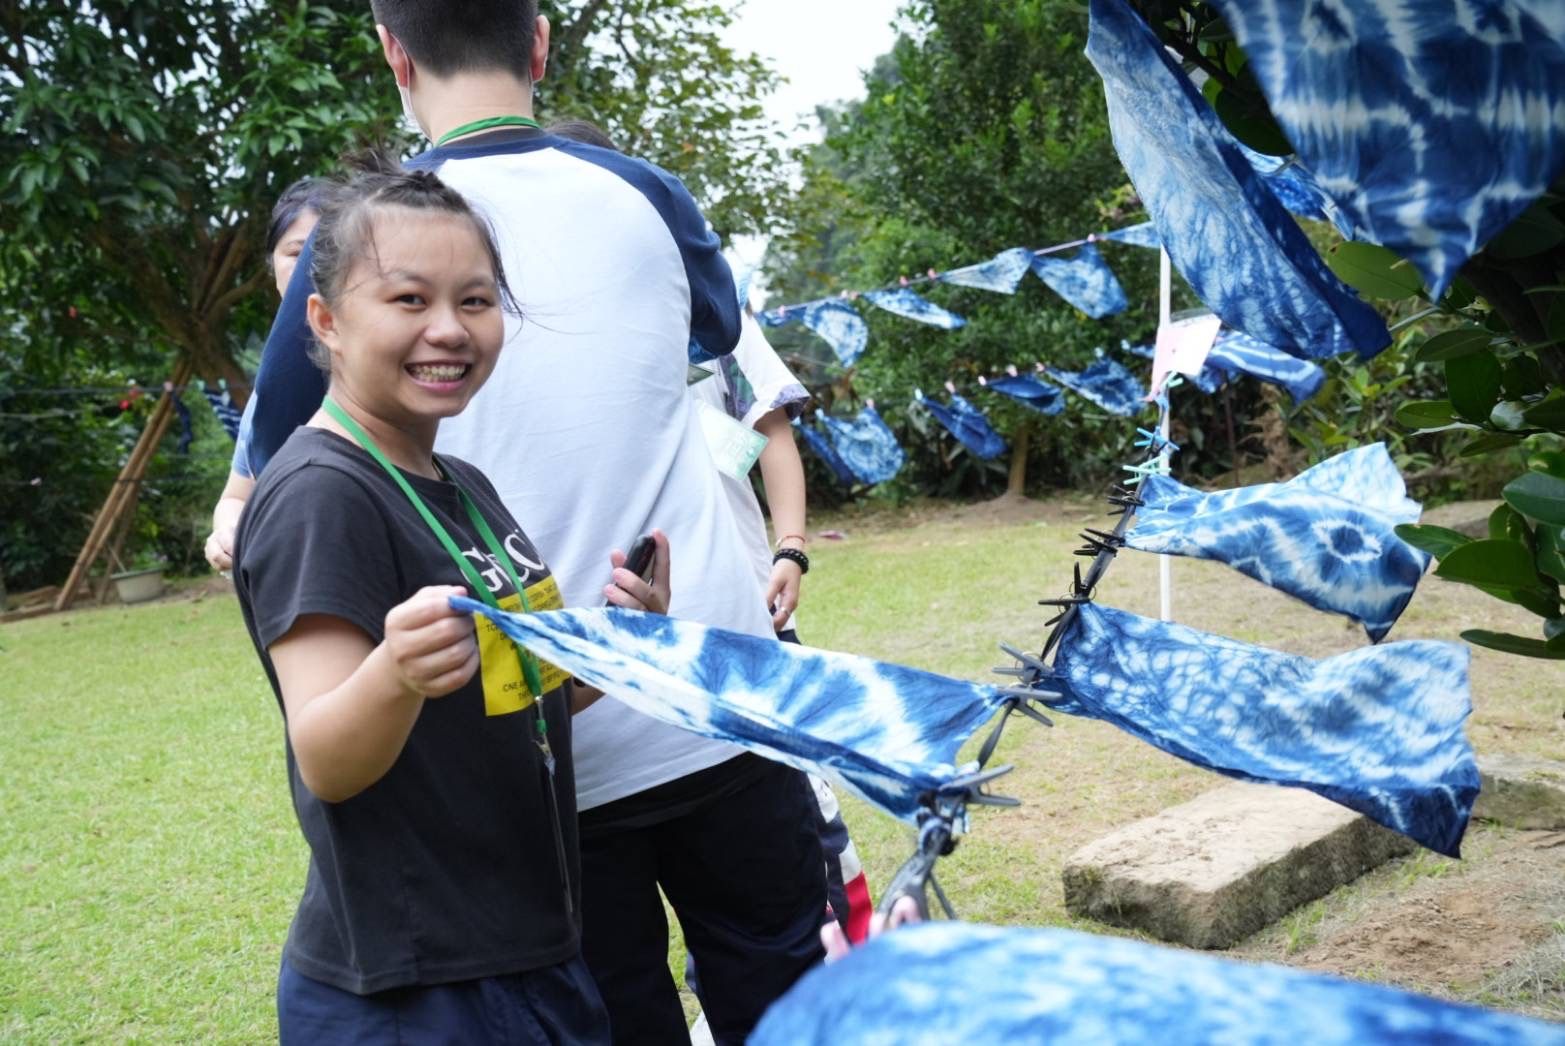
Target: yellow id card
(500, 662)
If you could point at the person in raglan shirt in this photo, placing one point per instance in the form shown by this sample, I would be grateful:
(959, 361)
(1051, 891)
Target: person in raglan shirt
(588, 434)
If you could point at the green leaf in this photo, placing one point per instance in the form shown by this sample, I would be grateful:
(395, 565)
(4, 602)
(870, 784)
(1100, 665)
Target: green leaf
(1426, 414)
(1461, 294)
(1507, 416)
(1507, 643)
(1553, 628)
(1522, 376)
(1488, 442)
(1551, 552)
(1373, 271)
(1252, 124)
(1437, 541)
(1537, 495)
(1492, 563)
(1452, 344)
(1550, 414)
(1473, 383)
(1534, 231)
(1550, 461)
(1506, 524)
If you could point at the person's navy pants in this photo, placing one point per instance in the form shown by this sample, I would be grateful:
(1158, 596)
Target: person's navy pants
(735, 850)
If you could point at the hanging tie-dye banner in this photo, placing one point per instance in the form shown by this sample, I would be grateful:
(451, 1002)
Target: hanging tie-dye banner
(1002, 274)
(1432, 125)
(1238, 353)
(1143, 235)
(1378, 729)
(1224, 230)
(223, 407)
(841, 326)
(1029, 391)
(1105, 383)
(1296, 189)
(826, 452)
(940, 983)
(968, 424)
(865, 445)
(903, 302)
(1085, 280)
(1327, 536)
(889, 733)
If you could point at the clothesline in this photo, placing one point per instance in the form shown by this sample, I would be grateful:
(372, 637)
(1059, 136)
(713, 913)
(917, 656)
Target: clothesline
(120, 390)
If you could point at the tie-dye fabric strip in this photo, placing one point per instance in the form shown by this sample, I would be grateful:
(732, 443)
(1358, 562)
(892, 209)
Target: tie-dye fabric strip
(1085, 280)
(903, 302)
(1238, 353)
(1002, 274)
(1432, 125)
(866, 445)
(1327, 536)
(1378, 729)
(825, 451)
(1143, 235)
(223, 407)
(1244, 254)
(951, 982)
(1106, 383)
(1296, 188)
(1029, 391)
(968, 424)
(889, 733)
(841, 326)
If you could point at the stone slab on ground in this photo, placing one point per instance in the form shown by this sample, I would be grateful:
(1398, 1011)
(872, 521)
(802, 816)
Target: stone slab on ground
(1521, 791)
(1210, 872)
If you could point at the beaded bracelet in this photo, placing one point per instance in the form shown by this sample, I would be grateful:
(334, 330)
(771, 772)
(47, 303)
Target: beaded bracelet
(793, 555)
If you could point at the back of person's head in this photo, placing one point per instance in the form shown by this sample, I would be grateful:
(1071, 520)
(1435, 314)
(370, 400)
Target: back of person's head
(447, 37)
(303, 195)
(582, 131)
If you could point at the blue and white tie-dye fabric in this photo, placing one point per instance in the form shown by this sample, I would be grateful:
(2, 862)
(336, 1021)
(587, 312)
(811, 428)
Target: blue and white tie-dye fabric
(1086, 281)
(1105, 383)
(889, 733)
(1244, 254)
(968, 424)
(941, 983)
(841, 326)
(1378, 729)
(865, 445)
(1143, 235)
(779, 317)
(1002, 274)
(826, 452)
(903, 302)
(1237, 353)
(223, 407)
(1327, 536)
(1296, 188)
(1033, 392)
(1432, 125)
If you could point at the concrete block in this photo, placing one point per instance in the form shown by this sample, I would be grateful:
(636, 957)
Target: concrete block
(1520, 791)
(1210, 872)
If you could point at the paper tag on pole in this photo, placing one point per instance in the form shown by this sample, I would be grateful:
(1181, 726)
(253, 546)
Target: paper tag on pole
(500, 663)
(1182, 346)
(735, 447)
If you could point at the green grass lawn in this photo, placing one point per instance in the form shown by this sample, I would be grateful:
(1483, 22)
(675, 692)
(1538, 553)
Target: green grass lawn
(149, 861)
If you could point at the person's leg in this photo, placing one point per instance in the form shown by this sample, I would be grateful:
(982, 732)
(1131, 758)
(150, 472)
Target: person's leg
(745, 876)
(625, 935)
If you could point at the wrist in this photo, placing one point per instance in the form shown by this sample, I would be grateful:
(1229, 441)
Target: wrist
(794, 556)
(797, 541)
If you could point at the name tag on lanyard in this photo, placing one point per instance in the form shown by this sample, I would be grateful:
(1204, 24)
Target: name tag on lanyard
(500, 664)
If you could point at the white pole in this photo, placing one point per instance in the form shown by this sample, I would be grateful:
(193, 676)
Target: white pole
(1165, 573)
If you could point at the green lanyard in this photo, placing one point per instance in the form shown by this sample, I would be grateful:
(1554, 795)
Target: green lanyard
(485, 125)
(529, 664)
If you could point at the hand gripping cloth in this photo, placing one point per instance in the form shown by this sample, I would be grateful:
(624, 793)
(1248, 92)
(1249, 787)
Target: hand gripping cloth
(865, 445)
(826, 452)
(1030, 391)
(941, 983)
(1086, 281)
(1431, 123)
(887, 732)
(968, 424)
(1327, 536)
(1378, 729)
(1224, 230)
(1105, 383)
(903, 302)
(1002, 274)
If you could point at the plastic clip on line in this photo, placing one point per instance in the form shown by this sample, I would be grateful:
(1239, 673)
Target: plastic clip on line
(942, 820)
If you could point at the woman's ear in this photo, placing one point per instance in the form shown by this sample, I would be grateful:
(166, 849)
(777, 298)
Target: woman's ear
(323, 322)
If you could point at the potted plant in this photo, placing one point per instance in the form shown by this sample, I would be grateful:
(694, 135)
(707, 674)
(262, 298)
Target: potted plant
(142, 579)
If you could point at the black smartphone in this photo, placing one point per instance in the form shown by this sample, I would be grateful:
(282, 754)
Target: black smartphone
(641, 557)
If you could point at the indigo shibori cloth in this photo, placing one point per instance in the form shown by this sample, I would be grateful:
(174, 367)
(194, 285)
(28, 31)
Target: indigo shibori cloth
(826, 452)
(889, 733)
(1033, 392)
(1106, 383)
(1378, 729)
(903, 302)
(1143, 235)
(1002, 274)
(838, 324)
(1224, 230)
(968, 424)
(1085, 280)
(865, 445)
(1432, 123)
(1327, 536)
(941, 983)
(1237, 353)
